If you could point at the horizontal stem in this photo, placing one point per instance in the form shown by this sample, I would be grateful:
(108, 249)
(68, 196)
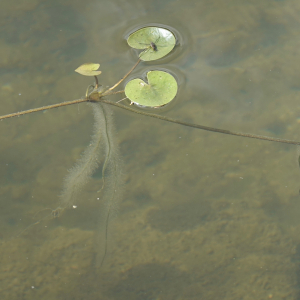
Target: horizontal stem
(224, 131)
(29, 111)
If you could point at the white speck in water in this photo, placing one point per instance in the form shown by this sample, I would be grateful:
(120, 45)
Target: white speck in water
(20, 94)
(241, 178)
(98, 198)
(74, 206)
(32, 286)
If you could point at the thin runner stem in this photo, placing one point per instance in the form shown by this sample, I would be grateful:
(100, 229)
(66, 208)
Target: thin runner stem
(224, 131)
(29, 111)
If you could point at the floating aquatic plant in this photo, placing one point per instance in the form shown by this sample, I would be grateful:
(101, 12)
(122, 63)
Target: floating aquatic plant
(160, 89)
(157, 42)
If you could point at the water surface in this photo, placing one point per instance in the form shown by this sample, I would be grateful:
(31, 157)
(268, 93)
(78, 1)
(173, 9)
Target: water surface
(203, 215)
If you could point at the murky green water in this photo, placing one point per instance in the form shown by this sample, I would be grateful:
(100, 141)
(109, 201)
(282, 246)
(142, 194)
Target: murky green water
(203, 215)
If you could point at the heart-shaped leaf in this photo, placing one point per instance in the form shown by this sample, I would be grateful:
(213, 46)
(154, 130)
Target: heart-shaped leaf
(89, 69)
(160, 89)
(156, 41)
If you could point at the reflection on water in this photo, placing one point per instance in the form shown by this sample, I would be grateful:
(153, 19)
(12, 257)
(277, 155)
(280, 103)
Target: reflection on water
(203, 215)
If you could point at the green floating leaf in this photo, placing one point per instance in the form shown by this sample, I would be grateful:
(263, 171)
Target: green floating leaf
(156, 41)
(160, 89)
(89, 69)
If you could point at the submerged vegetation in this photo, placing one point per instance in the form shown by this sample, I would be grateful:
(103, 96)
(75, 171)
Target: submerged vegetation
(159, 90)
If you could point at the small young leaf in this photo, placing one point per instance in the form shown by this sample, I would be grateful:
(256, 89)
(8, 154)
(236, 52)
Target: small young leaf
(156, 41)
(160, 89)
(88, 69)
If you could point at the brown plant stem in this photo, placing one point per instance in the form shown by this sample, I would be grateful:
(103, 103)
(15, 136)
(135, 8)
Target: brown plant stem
(29, 111)
(114, 86)
(97, 83)
(224, 131)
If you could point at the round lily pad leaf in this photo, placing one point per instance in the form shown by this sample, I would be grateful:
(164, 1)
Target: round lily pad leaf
(156, 41)
(89, 69)
(160, 89)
